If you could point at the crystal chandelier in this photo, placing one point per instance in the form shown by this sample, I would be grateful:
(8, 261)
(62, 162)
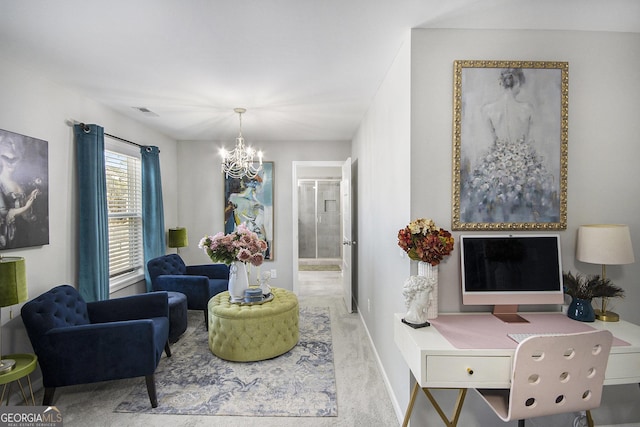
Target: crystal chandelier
(239, 162)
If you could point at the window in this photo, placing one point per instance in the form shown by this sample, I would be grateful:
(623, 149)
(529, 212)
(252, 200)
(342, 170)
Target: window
(124, 201)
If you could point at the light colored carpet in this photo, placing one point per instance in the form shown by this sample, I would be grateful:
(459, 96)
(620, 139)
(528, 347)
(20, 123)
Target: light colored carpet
(363, 399)
(321, 267)
(193, 381)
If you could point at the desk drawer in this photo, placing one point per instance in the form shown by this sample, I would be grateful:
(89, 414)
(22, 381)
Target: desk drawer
(468, 371)
(622, 367)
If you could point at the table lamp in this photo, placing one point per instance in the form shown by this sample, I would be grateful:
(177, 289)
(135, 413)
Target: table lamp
(178, 238)
(605, 244)
(13, 290)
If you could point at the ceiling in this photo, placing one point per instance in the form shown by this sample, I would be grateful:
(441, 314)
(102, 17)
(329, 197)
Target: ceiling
(303, 69)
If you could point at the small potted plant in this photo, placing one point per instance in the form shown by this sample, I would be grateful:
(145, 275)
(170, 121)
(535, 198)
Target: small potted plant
(583, 289)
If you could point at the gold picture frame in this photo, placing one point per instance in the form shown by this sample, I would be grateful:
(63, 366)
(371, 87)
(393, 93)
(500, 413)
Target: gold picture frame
(510, 144)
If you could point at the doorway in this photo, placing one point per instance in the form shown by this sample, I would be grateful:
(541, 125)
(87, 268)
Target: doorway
(317, 222)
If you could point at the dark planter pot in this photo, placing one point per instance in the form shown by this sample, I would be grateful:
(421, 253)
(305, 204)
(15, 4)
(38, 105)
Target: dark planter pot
(582, 310)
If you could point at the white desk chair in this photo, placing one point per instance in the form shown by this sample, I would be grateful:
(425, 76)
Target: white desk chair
(553, 374)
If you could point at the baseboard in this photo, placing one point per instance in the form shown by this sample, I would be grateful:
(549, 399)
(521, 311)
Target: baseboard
(396, 405)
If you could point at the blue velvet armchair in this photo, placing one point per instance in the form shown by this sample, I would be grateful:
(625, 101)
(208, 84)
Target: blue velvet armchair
(198, 282)
(78, 342)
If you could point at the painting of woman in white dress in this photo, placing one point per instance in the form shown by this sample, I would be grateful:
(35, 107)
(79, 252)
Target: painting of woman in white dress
(509, 161)
(24, 182)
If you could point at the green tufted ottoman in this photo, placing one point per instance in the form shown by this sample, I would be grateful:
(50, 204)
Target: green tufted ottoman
(246, 333)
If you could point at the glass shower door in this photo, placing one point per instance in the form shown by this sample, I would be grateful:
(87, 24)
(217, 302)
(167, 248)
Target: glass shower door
(306, 219)
(319, 219)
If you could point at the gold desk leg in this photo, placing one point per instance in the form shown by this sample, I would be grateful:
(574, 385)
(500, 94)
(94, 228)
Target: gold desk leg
(457, 409)
(589, 419)
(414, 394)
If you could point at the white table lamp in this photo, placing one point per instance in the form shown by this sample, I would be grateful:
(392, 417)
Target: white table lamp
(605, 244)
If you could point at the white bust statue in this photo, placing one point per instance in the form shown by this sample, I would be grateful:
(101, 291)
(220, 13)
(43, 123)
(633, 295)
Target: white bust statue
(418, 297)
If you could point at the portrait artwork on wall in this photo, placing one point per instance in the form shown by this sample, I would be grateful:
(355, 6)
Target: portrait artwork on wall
(24, 191)
(510, 145)
(250, 201)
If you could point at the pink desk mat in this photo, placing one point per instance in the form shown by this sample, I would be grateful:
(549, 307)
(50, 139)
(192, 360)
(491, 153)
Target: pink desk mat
(484, 331)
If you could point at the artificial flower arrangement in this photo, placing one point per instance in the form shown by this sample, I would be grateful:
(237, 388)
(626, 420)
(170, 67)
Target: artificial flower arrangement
(240, 245)
(423, 241)
(589, 287)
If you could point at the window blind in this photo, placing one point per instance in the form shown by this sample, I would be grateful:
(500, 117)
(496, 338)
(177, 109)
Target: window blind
(124, 201)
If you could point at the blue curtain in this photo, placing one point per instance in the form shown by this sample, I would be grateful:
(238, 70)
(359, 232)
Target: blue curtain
(93, 234)
(152, 209)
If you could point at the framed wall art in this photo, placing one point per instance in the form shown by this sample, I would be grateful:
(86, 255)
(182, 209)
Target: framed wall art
(250, 201)
(510, 136)
(24, 191)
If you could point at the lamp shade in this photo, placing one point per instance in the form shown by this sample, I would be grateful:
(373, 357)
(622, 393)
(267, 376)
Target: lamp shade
(606, 244)
(178, 237)
(13, 281)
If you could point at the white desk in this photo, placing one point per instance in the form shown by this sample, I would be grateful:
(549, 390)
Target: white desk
(436, 363)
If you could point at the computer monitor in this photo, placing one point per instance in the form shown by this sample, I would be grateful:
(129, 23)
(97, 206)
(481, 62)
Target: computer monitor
(507, 270)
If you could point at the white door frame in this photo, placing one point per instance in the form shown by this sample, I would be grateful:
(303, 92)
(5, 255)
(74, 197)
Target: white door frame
(294, 213)
(348, 243)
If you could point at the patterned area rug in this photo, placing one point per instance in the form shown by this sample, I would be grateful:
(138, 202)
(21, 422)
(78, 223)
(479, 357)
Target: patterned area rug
(299, 383)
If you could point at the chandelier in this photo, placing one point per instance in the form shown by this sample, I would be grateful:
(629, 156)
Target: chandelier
(239, 162)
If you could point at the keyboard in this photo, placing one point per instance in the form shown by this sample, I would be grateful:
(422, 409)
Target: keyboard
(522, 336)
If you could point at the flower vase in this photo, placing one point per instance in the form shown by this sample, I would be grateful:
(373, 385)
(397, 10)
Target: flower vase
(582, 310)
(430, 272)
(238, 281)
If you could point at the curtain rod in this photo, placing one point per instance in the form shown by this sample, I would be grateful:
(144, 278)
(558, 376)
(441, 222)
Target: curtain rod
(85, 127)
(123, 140)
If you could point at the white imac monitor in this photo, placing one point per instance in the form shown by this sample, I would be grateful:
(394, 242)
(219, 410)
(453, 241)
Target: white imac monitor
(507, 270)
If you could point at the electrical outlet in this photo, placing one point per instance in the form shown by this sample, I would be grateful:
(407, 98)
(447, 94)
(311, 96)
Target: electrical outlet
(274, 273)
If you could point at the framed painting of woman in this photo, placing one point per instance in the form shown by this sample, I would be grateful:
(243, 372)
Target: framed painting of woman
(24, 191)
(510, 145)
(250, 201)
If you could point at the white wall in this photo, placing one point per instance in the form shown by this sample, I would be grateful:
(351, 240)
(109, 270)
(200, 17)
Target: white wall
(604, 103)
(201, 195)
(603, 129)
(382, 153)
(34, 106)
